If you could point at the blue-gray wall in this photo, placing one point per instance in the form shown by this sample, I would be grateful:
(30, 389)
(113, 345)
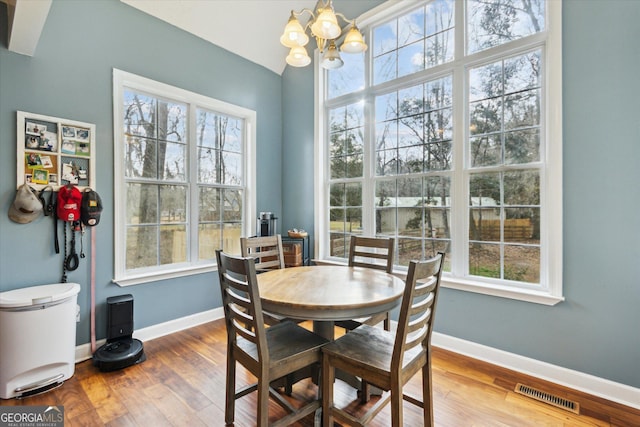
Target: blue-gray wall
(70, 76)
(596, 329)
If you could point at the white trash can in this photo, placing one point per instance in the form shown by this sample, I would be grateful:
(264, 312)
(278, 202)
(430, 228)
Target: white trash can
(37, 338)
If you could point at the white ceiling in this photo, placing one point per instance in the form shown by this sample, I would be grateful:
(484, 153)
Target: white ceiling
(249, 28)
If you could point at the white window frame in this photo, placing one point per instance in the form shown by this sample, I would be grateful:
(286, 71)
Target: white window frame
(122, 80)
(550, 290)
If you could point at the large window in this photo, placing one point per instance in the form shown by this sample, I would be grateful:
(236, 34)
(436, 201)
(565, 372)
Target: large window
(446, 134)
(183, 175)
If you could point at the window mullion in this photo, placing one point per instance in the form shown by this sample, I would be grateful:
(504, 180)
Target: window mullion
(192, 185)
(459, 185)
(369, 152)
(120, 185)
(460, 33)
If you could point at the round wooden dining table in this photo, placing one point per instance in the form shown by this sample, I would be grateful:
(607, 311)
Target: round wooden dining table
(328, 293)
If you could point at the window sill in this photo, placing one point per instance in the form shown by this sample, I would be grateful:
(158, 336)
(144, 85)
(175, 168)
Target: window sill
(527, 295)
(502, 291)
(155, 276)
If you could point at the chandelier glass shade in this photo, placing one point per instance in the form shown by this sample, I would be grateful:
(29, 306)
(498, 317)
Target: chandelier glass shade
(294, 35)
(331, 58)
(353, 41)
(298, 57)
(325, 29)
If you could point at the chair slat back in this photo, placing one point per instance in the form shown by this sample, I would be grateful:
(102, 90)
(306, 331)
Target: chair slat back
(241, 301)
(267, 251)
(415, 323)
(366, 251)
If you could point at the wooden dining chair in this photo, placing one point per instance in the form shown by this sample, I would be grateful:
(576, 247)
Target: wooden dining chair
(267, 251)
(267, 353)
(389, 360)
(370, 252)
(268, 255)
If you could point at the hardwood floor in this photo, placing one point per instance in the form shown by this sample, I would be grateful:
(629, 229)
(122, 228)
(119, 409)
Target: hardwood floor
(182, 384)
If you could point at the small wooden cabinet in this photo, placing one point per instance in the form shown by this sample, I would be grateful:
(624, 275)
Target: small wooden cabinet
(296, 251)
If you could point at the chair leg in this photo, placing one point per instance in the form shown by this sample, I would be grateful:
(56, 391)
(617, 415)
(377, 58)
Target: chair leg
(365, 392)
(427, 393)
(263, 402)
(230, 393)
(396, 404)
(326, 384)
(288, 385)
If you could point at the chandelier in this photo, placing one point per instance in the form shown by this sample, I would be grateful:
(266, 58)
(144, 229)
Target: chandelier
(325, 29)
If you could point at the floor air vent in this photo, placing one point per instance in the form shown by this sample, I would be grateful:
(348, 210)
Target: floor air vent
(545, 397)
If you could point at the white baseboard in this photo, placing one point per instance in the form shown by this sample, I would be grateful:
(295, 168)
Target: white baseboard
(83, 351)
(606, 389)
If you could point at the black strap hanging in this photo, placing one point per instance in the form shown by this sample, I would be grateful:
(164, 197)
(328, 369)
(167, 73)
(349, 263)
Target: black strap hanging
(64, 260)
(45, 206)
(71, 260)
(55, 234)
(49, 208)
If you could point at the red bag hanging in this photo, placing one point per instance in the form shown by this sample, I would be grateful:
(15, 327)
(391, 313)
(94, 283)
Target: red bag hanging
(69, 202)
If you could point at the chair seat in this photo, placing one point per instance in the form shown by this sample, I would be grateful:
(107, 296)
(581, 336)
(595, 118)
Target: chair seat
(285, 340)
(350, 325)
(272, 319)
(370, 346)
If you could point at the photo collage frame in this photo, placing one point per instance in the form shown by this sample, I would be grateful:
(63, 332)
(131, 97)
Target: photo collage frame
(54, 151)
